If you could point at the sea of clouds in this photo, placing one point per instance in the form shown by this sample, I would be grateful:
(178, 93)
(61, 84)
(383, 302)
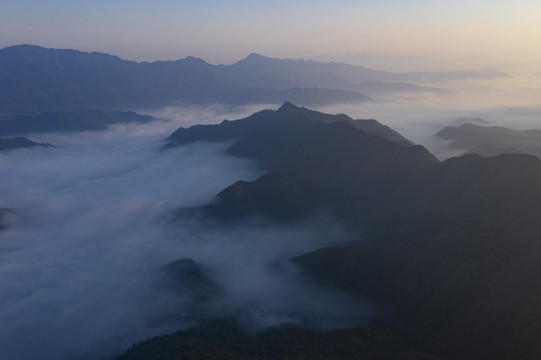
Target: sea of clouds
(83, 258)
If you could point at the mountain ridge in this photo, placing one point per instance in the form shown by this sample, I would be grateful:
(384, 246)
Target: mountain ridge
(34, 79)
(491, 140)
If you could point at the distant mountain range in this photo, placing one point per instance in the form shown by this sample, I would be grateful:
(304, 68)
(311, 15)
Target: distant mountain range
(34, 79)
(68, 121)
(452, 247)
(491, 140)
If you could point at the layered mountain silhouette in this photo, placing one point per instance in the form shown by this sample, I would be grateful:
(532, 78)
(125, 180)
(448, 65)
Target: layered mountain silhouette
(35, 79)
(67, 121)
(491, 140)
(452, 247)
(19, 143)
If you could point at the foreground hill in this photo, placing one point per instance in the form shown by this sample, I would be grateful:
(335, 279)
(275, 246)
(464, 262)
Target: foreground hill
(452, 247)
(67, 121)
(34, 79)
(224, 339)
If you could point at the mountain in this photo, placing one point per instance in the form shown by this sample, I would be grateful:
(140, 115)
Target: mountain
(34, 79)
(292, 127)
(67, 121)
(316, 160)
(491, 140)
(257, 69)
(19, 143)
(462, 278)
(373, 127)
(452, 247)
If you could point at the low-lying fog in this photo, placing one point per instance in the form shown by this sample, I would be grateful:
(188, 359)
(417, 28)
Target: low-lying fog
(83, 264)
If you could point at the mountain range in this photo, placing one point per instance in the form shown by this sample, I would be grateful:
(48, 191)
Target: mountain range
(35, 79)
(451, 246)
(491, 140)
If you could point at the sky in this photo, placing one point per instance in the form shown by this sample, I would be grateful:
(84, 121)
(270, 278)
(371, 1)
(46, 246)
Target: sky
(498, 31)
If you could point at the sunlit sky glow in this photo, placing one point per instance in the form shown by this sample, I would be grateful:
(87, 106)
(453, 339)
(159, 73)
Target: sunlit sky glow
(223, 32)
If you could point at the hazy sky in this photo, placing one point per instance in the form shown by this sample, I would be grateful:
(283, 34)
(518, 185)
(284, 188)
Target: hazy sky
(226, 31)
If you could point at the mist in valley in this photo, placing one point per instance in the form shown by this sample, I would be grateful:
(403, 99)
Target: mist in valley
(84, 258)
(509, 102)
(83, 261)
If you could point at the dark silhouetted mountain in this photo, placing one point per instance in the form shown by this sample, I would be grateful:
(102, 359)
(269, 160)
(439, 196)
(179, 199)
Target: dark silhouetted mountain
(66, 121)
(463, 277)
(319, 160)
(288, 137)
(34, 79)
(453, 247)
(494, 139)
(224, 339)
(373, 127)
(19, 143)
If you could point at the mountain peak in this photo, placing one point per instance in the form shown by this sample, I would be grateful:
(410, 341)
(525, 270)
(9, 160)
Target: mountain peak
(194, 61)
(288, 107)
(255, 56)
